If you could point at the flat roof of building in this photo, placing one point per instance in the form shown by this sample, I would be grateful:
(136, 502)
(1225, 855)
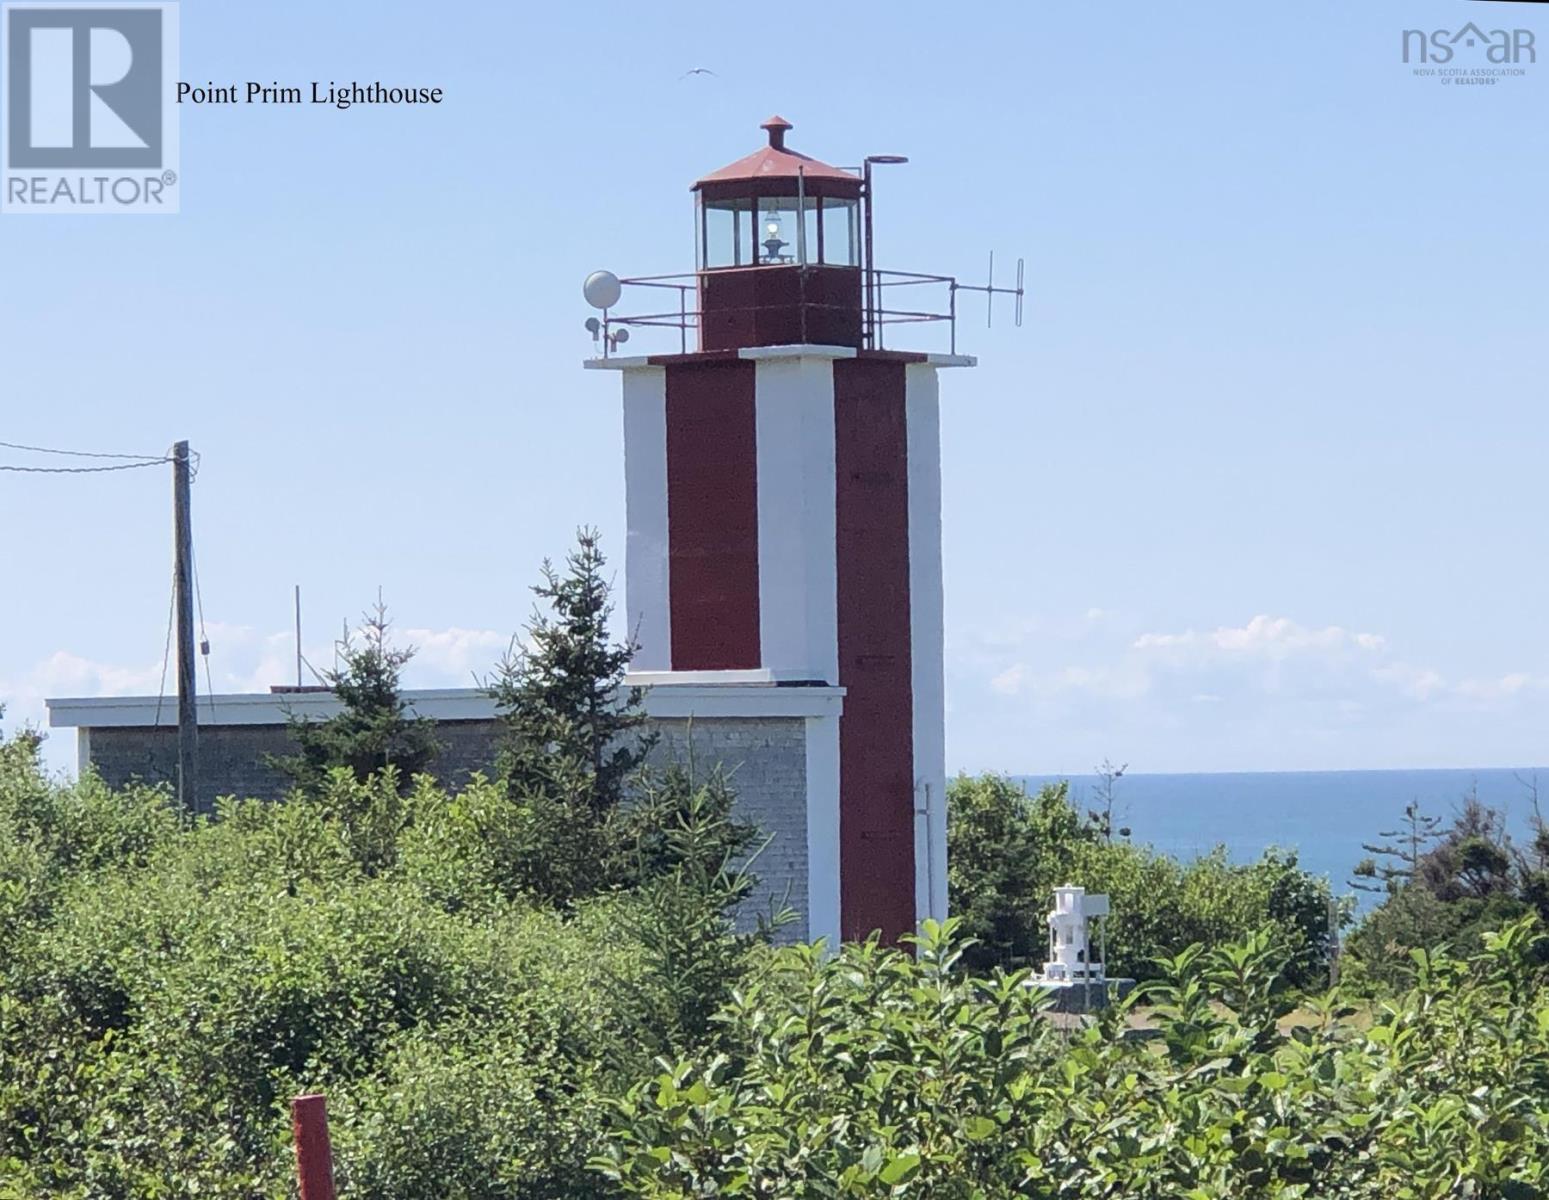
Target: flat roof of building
(668, 695)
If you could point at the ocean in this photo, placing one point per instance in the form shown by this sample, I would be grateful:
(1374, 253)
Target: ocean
(1323, 815)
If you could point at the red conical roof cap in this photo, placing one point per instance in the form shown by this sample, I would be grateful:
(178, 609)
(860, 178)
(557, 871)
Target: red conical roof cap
(777, 125)
(775, 161)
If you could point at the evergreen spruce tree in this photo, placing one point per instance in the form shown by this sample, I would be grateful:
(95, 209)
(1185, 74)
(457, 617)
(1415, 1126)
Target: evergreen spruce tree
(691, 863)
(1392, 864)
(375, 730)
(574, 735)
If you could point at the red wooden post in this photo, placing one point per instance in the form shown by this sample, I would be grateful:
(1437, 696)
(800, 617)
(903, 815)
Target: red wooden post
(314, 1155)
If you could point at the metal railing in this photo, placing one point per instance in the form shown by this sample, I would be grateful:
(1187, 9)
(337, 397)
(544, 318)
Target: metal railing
(876, 315)
(683, 320)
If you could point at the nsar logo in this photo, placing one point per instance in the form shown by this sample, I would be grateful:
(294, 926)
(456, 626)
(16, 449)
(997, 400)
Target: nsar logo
(86, 125)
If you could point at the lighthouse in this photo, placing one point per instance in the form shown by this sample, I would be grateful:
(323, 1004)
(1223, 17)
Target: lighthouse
(783, 492)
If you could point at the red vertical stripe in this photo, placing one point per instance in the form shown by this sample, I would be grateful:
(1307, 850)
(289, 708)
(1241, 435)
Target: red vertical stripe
(876, 733)
(712, 516)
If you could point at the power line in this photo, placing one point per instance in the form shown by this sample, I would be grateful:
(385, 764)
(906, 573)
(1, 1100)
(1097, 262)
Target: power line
(146, 458)
(129, 462)
(128, 466)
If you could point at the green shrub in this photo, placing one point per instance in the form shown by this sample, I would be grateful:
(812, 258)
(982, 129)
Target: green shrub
(168, 987)
(485, 1111)
(1444, 883)
(879, 1074)
(1007, 851)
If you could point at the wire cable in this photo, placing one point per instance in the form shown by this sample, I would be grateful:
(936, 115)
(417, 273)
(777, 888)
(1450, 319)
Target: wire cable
(166, 650)
(128, 466)
(126, 462)
(204, 638)
(146, 458)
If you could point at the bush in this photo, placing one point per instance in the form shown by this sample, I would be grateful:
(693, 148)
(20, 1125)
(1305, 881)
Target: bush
(166, 987)
(1445, 884)
(879, 1074)
(467, 976)
(481, 1112)
(1007, 851)
(49, 834)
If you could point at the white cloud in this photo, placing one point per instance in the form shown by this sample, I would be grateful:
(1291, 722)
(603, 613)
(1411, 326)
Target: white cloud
(63, 673)
(1418, 683)
(1123, 681)
(1052, 691)
(1264, 637)
(1271, 681)
(1503, 688)
(1009, 681)
(455, 654)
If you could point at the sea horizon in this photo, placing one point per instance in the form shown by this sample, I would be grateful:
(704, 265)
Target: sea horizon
(1325, 816)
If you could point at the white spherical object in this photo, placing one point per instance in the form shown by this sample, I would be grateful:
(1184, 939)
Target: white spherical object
(602, 289)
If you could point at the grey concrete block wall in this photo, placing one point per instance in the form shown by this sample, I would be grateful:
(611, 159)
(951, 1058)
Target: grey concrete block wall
(233, 759)
(765, 758)
(766, 761)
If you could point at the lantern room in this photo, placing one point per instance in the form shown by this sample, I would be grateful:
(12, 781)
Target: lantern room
(779, 258)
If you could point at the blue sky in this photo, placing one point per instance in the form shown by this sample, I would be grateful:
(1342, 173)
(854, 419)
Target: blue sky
(1258, 485)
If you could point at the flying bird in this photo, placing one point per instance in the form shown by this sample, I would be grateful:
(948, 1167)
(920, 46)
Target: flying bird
(696, 71)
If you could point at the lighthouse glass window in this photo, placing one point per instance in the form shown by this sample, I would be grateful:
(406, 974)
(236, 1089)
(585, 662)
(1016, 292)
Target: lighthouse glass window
(839, 241)
(728, 233)
(779, 231)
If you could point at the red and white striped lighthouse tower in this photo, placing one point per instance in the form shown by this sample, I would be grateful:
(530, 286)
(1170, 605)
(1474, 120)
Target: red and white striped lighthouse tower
(784, 513)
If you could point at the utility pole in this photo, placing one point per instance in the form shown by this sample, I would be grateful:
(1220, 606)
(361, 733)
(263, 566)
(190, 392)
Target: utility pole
(183, 586)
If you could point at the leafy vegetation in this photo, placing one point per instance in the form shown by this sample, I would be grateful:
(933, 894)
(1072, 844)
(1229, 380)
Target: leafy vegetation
(1007, 851)
(1445, 883)
(875, 1073)
(167, 985)
(165, 988)
(534, 987)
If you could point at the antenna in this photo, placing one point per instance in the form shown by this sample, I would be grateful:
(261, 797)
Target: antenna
(991, 291)
(298, 636)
